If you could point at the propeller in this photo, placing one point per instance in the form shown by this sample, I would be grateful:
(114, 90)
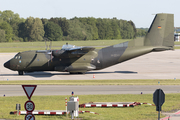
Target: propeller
(50, 51)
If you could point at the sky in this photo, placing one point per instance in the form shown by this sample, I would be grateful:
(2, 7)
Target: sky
(141, 12)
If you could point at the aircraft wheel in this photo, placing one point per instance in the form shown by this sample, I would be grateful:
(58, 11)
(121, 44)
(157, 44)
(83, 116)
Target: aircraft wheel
(20, 72)
(77, 72)
(81, 72)
(72, 73)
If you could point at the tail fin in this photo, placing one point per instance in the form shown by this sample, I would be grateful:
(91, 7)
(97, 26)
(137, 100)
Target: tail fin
(161, 31)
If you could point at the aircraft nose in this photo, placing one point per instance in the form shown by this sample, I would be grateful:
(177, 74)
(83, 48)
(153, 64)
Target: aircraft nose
(7, 64)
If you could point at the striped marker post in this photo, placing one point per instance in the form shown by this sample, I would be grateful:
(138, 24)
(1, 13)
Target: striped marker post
(66, 105)
(112, 104)
(43, 112)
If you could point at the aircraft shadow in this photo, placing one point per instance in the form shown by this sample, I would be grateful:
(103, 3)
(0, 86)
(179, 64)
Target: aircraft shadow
(9, 75)
(124, 72)
(48, 74)
(44, 74)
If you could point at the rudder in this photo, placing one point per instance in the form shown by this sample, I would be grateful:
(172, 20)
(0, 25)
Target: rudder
(161, 31)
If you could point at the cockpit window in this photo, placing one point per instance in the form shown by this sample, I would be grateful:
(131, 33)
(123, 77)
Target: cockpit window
(17, 57)
(68, 46)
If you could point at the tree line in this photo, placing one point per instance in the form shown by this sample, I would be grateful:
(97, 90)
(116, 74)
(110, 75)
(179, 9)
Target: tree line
(14, 28)
(140, 32)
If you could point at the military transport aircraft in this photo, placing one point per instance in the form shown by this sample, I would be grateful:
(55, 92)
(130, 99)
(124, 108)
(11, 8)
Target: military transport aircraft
(74, 59)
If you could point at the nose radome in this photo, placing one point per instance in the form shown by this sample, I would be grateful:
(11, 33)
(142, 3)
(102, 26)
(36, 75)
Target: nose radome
(7, 64)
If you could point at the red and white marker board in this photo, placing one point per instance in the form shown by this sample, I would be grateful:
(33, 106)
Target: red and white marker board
(29, 116)
(29, 106)
(29, 90)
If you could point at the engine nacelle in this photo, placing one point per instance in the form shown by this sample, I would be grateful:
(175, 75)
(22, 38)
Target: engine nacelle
(60, 53)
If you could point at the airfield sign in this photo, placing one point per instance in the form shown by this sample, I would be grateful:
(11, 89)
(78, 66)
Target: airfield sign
(29, 90)
(158, 99)
(29, 106)
(29, 116)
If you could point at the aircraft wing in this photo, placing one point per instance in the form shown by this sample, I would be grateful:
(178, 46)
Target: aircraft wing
(72, 52)
(80, 50)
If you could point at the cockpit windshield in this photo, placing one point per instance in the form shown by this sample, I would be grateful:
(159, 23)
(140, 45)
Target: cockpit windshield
(67, 46)
(17, 56)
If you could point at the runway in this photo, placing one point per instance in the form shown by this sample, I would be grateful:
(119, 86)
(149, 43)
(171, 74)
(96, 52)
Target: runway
(156, 65)
(41, 90)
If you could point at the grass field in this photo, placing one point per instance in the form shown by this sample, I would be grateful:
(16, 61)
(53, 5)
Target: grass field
(177, 47)
(143, 112)
(25, 46)
(92, 82)
(177, 43)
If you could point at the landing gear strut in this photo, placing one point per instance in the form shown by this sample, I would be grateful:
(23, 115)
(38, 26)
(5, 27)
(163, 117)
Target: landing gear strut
(20, 72)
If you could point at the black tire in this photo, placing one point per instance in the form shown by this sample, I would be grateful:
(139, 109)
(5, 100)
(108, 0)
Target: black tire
(77, 72)
(72, 73)
(81, 72)
(20, 72)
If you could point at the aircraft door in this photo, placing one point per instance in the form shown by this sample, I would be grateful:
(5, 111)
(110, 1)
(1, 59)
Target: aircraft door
(98, 60)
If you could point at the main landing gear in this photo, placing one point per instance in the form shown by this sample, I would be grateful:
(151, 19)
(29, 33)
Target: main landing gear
(20, 72)
(77, 72)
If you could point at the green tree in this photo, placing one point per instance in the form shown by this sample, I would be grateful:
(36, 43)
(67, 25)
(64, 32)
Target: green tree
(33, 29)
(44, 21)
(115, 29)
(108, 29)
(27, 28)
(8, 31)
(0, 17)
(101, 29)
(79, 31)
(133, 29)
(7, 15)
(22, 31)
(13, 19)
(127, 29)
(92, 22)
(15, 23)
(141, 32)
(53, 31)
(37, 30)
(63, 23)
(2, 36)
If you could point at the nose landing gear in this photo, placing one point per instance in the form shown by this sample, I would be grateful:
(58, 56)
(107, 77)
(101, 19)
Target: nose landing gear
(20, 72)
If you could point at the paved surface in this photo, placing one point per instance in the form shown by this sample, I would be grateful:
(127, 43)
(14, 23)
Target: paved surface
(156, 65)
(17, 90)
(172, 116)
